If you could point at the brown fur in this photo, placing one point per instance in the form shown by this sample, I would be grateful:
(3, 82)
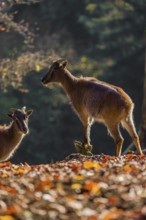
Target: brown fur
(94, 100)
(11, 135)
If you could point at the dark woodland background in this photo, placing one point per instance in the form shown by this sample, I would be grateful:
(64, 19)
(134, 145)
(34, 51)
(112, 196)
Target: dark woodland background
(104, 39)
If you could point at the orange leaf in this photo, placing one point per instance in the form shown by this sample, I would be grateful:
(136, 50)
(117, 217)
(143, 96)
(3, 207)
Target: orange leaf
(104, 165)
(4, 175)
(8, 189)
(106, 157)
(113, 199)
(127, 168)
(19, 171)
(90, 164)
(76, 168)
(44, 184)
(6, 217)
(130, 156)
(11, 210)
(5, 164)
(113, 215)
(92, 218)
(92, 186)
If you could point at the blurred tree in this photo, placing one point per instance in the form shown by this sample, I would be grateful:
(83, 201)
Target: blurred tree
(143, 120)
(116, 27)
(142, 131)
(18, 55)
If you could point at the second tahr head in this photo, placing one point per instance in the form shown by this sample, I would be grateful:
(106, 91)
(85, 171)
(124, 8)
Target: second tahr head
(20, 118)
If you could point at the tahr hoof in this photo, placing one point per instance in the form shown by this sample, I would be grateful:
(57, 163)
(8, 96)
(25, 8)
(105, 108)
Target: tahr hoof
(88, 147)
(83, 148)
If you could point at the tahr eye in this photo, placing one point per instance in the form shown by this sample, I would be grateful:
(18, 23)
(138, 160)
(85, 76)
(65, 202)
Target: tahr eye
(56, 67)
(24, 117)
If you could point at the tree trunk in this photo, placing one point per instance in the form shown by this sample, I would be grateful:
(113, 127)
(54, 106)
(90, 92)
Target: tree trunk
(142, 131)
(143, 120)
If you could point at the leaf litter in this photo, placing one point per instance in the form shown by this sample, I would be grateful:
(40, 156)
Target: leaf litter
(99, 187)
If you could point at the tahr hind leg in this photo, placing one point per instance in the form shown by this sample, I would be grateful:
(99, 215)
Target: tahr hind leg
(115, 133)
(128, 124)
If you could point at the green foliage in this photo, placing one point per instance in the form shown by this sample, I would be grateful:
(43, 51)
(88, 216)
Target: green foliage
(6, 102)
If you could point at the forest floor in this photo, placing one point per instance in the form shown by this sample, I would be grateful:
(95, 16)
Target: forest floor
(99, 187)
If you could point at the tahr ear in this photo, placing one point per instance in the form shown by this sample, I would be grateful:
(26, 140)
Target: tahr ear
(29, 112)
(63, 64)
(10, 115)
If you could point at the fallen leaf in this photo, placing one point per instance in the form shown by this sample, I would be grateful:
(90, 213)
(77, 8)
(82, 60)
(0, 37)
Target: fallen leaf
(92, 186)
(127, 168)
(76, 186)
(113, 199)
(79, 177)
(5, 164)
(6, 217)
(90, 164)
(113, 215)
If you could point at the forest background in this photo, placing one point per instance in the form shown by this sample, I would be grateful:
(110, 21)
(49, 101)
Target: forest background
(104, 39)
